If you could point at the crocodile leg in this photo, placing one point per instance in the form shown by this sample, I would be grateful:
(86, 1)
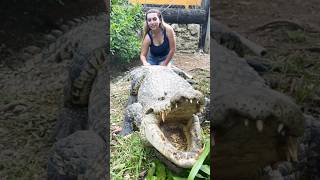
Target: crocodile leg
(132, 118)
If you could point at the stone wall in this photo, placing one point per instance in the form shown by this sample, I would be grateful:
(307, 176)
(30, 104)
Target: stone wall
(187, 37)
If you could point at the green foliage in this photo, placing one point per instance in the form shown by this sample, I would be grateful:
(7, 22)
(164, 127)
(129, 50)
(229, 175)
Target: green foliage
(126, 21)
(128, 157)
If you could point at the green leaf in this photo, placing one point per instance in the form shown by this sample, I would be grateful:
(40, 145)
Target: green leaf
(170, 176)
(199, 162)
(160, 171)
(151, 171)
(200, 176)
(205, 169)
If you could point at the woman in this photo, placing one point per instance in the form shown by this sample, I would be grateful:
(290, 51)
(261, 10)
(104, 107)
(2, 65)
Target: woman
(159, 43)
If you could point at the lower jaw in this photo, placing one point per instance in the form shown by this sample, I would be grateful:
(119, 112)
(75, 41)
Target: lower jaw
(174, 138)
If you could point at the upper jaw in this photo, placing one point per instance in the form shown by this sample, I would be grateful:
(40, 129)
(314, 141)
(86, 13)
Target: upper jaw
(179, 107)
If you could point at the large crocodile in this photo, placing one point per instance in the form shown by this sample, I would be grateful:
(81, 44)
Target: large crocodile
(163, 106)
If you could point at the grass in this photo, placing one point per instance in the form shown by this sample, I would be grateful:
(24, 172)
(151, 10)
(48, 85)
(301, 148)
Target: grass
(130, 157)
(299, 72)
(297, 36)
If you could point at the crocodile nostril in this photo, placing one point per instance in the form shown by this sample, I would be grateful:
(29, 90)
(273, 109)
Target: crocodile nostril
(161, 98)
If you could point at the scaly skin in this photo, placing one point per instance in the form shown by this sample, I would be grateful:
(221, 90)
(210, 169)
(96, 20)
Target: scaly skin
(160, 100)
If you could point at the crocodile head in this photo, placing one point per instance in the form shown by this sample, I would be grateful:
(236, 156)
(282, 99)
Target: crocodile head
(170, 124)
(255, 126)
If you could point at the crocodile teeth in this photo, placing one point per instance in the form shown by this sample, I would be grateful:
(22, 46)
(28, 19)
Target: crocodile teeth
(176, 105)
(191, 101)
(162, 116)
(259, 125)
(280, 127)
(292, 149)
(197, 102)
(246, 122)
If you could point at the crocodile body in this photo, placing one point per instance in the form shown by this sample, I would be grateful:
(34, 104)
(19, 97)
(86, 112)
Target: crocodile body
(162, 105)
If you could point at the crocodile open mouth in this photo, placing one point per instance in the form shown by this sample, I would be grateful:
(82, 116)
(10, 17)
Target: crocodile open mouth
(177, 135)
(175, 131)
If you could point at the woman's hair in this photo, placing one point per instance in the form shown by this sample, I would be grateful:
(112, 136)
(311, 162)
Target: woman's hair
(146, 27)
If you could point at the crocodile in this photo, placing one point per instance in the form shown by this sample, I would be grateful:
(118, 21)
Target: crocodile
(163, 106)
(254, 125)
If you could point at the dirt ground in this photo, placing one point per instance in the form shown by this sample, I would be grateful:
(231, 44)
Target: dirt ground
(188, 62)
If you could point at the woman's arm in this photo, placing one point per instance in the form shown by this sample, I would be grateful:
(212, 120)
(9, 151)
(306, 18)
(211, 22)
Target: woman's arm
(144, 50)
(172, 43)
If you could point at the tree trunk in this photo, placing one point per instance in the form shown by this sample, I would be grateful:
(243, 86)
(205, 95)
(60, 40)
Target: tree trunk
(183, 16)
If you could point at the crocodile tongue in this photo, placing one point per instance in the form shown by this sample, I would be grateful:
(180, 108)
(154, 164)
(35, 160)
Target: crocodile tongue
(157, 136)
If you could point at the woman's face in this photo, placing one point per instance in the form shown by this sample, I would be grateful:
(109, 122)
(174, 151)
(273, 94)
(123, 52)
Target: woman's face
(153, 21)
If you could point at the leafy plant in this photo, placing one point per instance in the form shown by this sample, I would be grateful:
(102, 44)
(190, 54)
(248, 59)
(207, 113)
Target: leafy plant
(126, 21)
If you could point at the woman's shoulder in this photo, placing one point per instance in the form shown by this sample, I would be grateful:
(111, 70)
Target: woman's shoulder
(147, 38)
(168, 28)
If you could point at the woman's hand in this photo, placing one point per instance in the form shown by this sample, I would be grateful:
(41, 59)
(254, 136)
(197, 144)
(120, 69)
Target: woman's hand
(166, 65)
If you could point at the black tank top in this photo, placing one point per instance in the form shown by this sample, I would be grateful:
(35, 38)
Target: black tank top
(161, 50)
